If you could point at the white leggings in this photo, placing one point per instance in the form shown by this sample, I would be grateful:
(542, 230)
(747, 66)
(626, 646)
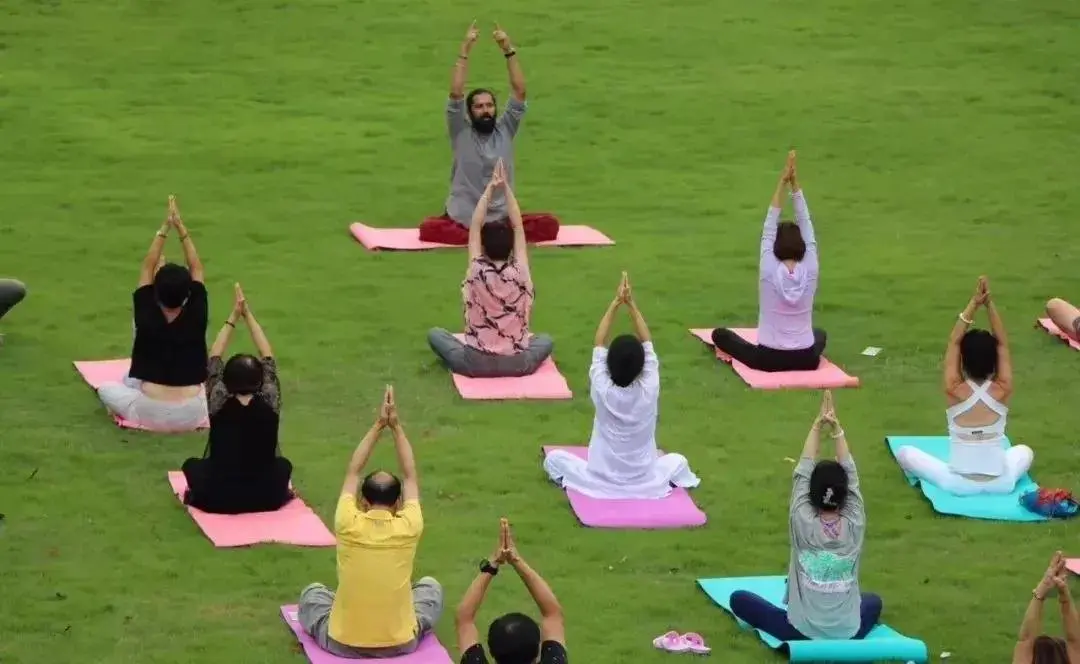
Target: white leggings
(928, 468)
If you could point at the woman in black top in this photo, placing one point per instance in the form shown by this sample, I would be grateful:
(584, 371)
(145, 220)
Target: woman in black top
(242, 469)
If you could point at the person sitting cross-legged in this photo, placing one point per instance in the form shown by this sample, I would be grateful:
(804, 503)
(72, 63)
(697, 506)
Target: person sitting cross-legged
(163, 390)
(498, 297)
(623, 459)
(513, 638)
(978, 383)
(480, 138)
(377, 611)
(242, 469)
(827, 522)
(1066, 316)
(787, 284)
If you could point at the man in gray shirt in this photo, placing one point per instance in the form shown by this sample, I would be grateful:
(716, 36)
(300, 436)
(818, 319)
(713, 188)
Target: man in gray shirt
(480, 137)
(827, 523)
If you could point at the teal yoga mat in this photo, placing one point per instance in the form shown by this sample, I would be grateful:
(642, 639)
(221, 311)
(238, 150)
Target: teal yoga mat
(883, 644)
(1001, 507)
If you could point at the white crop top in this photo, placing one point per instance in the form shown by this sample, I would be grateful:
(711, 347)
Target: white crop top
(977, 450)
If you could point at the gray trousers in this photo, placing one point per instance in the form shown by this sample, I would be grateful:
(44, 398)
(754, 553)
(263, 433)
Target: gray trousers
(317, 600)
(468, 361)
(12, 292)
(127, 400)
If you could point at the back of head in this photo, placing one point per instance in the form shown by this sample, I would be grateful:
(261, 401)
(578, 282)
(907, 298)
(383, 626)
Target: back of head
(789, 244)
(828, 486)
(381, 489)
(979, 354)
(514, 639)
(172, 285)
(625, 359)
(243, 374)
(1049, 650)
(497, 240)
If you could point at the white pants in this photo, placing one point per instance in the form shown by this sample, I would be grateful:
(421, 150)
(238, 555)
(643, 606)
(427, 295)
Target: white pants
(928, 468)
(127, 400)
(572, 472)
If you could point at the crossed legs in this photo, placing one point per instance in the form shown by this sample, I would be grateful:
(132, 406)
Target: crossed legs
(1065, 316)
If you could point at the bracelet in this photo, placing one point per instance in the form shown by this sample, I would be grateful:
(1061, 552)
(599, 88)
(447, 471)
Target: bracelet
(462, 57)
(1035, 594)
(184, 237)
(838, 434)
(511, 53)
(966, 320)
(230, 323)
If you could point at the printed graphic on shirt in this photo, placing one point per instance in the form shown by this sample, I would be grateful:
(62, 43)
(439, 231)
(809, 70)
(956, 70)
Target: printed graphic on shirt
(826, 572)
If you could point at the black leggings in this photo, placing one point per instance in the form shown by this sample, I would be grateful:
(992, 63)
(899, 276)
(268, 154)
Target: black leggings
(263, 490)
(768, 359)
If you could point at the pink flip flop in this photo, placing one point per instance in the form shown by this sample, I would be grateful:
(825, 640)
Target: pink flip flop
(695, 644)
(671, 642)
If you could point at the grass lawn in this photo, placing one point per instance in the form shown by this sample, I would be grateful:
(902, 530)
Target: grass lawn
(937, 140)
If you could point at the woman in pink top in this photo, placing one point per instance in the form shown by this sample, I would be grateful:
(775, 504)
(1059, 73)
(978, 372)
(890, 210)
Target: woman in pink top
(788, 277)
(498, 296)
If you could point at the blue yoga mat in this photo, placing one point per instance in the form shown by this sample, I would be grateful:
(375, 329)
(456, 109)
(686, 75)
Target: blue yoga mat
(999, 507)
(882, 644)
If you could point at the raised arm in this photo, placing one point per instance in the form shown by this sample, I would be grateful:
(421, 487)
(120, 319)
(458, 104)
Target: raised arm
(191, 257)
(552, 625)
(853, 506)
(465, 616)
(802, 211)
(772, 217)
(1031, 626)
(153, 254)
(480, 214)
(1070, 620)
(517, 78)
(258, 337)
(521, 245)
(641, 329)
(363, 452)
(410, 484)
(461, 67)
(953, 375)
(1004, 375)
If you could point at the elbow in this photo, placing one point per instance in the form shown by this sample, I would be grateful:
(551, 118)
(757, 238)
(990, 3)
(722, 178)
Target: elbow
(465, 614)
(553, 611)
(520, 92)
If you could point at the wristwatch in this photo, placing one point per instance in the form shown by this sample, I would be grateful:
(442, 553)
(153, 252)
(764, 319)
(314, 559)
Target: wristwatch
(487, 568)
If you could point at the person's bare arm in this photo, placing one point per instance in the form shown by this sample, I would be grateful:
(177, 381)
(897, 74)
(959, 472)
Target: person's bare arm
(603, 330)
(224, 336)
(552, 626)
(191, 256)
(149, 265)
(476, 225)
(1030, 628)
(1070, 620)
(361, 457)
(465, 616)
(513, 65)
(460, 76)
(1004, 375)
(258, 336)
(521, 245)
(410, 484)
(641, 329)
(953, 376)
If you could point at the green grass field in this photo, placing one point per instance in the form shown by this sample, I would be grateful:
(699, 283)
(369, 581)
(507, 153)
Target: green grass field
(937, 141)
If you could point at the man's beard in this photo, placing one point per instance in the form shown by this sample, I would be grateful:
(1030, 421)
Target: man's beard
(484, 124)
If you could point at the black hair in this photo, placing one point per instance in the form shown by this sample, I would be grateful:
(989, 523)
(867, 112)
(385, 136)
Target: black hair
(978, 354)
(789, 244)
(243, 374)
(381, 488)
(514, 639)
(469, 98)
(172, 285)
(828, 485)
(1049, 650)
(625, 359)
(497, 240)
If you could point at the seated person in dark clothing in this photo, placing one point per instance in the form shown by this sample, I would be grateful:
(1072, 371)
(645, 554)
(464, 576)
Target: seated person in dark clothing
(513, 638)
(163, 390)
(242, 469)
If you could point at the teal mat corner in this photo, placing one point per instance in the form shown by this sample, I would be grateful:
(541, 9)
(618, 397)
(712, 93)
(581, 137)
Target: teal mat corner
(883, 644)
(1001, 507)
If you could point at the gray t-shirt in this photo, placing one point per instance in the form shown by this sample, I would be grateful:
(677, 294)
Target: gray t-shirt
(823, 597)
(475, 156)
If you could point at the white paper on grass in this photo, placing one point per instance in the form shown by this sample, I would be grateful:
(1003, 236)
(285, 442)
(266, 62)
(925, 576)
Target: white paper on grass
(871, 351)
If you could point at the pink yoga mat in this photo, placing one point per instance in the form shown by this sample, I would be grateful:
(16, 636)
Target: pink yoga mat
(429, 652)
(546, 383)
(826, 376)
(408, 239)
(99, 372)
(293, 524)
(1073, 565)
(1049, 326)
(677, 510)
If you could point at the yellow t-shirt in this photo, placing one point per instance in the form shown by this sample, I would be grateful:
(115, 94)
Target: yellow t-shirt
(373, 607)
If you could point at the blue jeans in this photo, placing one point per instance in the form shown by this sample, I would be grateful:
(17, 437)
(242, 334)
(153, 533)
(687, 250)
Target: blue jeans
(762, 614)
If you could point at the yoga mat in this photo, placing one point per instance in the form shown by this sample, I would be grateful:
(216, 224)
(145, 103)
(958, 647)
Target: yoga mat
(1073, 565)
(294, 524)
(999, 507)
(1048, 326)
(677, 510)
(826, 376)
(429, 652)
(408, 239)
(99, 372)
(545, 383)
(882, 644)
